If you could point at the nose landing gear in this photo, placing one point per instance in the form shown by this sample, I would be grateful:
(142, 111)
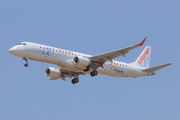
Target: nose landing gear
(26, 59)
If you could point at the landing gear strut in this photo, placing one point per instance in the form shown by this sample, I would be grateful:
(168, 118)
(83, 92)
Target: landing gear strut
(26, 59)
(75, 80)
(94, 73)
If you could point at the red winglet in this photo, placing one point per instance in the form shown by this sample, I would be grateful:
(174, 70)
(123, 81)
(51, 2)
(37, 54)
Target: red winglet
(140, 44)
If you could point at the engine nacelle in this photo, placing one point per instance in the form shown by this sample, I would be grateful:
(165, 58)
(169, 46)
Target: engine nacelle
(53, 72)
(81, 61)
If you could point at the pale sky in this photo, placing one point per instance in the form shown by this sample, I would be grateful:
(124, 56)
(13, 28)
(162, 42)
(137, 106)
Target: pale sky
(90, 27)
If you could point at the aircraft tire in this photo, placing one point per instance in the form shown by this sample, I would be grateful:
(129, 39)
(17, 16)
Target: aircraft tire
(76, 80)
(73, 81)
(92, 74)
(25, 65)
(95, 72)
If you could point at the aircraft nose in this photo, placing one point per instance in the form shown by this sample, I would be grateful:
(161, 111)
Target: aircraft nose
(12, 50)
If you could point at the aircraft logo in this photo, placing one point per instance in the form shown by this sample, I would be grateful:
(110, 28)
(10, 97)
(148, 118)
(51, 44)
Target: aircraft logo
(115, 65)
(146, 62)
(48, 51)
(143, 56)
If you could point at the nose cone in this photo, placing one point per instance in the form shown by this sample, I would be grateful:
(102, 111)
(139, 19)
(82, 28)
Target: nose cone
(13, 50)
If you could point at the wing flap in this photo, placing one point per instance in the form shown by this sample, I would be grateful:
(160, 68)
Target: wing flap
(63, 78)
(53, 78)
(156, 68)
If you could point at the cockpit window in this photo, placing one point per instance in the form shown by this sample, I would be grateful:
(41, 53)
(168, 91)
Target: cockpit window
(21, 44)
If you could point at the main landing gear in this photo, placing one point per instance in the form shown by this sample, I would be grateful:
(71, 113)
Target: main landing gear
(26, 59)
(94, 73)
(75, 80)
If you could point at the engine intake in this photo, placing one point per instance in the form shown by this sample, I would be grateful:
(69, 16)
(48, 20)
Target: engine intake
(53, 72)
(82, 61)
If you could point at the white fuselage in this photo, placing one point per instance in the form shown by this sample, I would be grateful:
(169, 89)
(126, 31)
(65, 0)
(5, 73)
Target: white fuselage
(64, 59)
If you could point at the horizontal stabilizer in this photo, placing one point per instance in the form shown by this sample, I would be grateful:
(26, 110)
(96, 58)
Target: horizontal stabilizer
(156, 68)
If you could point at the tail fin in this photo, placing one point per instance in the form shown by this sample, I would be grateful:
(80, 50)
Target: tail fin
(144, 58)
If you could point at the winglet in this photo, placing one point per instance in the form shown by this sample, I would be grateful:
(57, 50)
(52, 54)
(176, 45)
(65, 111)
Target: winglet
(140, 44)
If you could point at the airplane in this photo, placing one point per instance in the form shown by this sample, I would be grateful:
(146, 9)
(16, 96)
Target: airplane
(73, 64)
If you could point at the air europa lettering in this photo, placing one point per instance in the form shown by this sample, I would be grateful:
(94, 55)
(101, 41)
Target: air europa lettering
(143, 56)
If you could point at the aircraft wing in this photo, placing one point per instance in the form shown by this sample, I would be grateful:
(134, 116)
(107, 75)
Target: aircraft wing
(156, 68)
(111, 55)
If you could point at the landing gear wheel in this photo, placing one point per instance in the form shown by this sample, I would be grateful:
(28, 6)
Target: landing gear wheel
(94, 73)
(75, 80)
(26, 64)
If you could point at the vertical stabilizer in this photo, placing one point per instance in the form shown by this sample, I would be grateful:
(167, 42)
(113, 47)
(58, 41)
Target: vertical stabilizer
(144, 58)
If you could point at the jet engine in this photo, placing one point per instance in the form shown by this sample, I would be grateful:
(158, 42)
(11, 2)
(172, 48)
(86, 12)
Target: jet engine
(53, 72)
(81, 61)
